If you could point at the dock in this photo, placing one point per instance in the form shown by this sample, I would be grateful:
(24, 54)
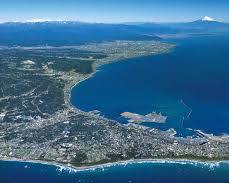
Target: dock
(149, 118)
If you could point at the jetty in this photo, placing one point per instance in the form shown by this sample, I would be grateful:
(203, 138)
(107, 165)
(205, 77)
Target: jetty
(151, 117)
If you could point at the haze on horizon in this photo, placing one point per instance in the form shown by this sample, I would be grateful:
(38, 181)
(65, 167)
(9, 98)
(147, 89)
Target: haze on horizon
(113, 11)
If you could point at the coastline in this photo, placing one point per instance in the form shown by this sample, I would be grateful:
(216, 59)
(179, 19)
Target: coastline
(71, 168)
(96, 65)
(72, 81)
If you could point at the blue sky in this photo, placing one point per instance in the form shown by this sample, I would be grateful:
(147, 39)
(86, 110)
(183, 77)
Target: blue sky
(114, 10)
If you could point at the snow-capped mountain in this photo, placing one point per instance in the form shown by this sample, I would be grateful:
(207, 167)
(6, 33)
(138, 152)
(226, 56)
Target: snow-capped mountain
(205, 23)
(207, 19)
(38, 20)
(45, 31)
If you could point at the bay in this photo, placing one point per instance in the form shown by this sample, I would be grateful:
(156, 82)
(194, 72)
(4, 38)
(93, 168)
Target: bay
(189, 85)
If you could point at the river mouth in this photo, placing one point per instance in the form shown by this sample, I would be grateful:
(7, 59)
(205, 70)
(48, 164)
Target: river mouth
(188, 85)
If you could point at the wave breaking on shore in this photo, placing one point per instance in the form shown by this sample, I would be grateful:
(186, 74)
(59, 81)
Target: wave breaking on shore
(103, 167)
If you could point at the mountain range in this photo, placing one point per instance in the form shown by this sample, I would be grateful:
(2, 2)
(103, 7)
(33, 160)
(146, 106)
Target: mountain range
(42, 32)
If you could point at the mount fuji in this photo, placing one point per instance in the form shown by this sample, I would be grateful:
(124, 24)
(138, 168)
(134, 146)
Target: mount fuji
(207, 19)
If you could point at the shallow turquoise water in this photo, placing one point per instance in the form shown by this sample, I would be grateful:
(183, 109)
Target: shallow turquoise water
(189, 85)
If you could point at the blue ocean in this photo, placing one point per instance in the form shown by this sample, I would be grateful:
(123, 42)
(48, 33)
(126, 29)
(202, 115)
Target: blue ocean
(189, 85)
(148, 172)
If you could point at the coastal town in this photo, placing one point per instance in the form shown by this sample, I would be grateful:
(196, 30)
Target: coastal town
(38, 123)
